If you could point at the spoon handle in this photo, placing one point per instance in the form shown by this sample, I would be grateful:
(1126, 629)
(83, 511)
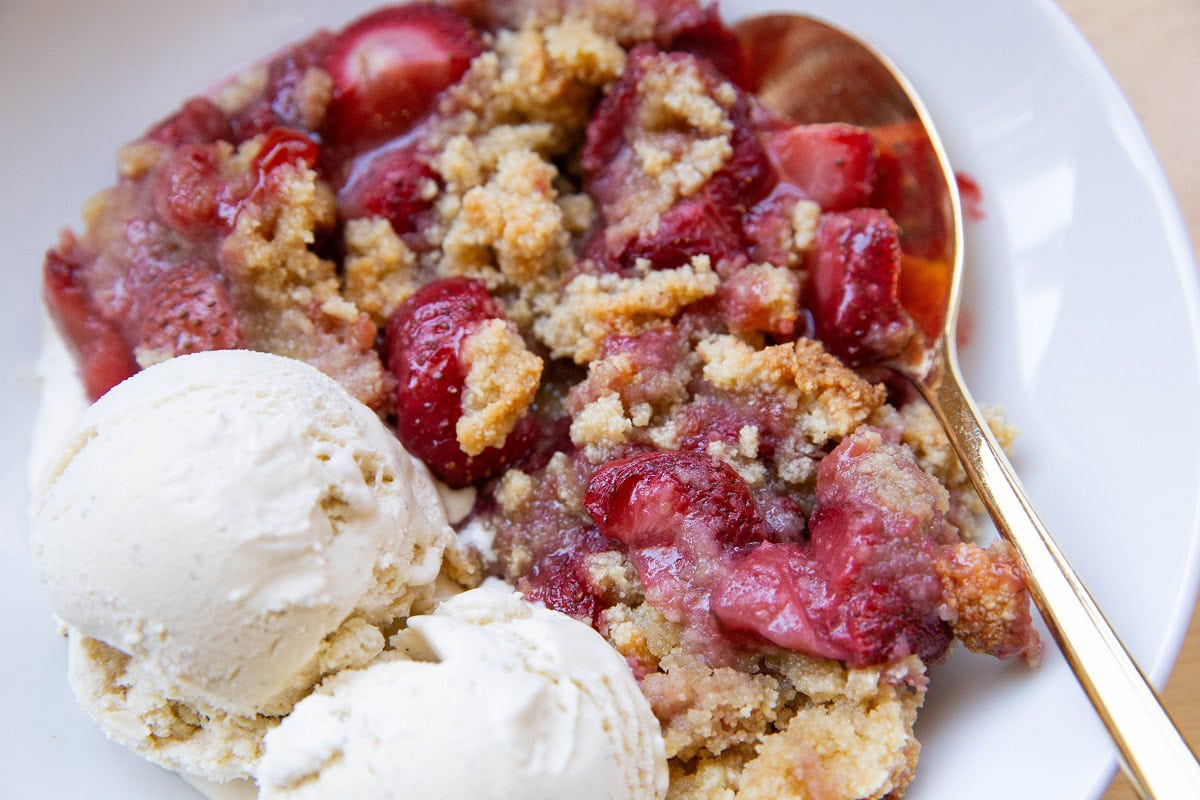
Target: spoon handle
(1153, 753)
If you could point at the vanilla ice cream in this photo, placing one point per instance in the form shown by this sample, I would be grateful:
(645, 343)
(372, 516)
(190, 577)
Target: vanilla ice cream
(487, 697)
(219, 532)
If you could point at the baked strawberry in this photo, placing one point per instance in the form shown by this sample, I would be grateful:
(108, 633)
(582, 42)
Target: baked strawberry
(680, 515)
(832, 164)
(105, 360)
(865, 588)
(199, 121)
(389, 66)
(396, 183)
(561, 580)
(188, 188)
(699, 30)
(854, 287)
(422, 348)
(708, 222)
(187, 310)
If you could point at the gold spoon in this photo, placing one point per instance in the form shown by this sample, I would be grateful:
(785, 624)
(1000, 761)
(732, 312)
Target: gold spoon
(812, 72)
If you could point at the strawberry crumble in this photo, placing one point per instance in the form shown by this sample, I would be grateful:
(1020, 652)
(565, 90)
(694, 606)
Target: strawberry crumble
(586, 276)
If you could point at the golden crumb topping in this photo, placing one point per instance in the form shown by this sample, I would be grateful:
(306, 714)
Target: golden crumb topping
(596, 306)
(502, 379)
(833, 399)
(789, 726)
(380, 271)
(601, 425)
(511, 223)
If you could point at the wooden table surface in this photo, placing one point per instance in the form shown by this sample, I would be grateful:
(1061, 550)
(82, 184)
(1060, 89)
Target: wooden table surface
(1152, 48)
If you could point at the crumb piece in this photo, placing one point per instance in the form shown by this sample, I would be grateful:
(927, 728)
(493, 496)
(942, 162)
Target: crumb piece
(380, 271)
(601, 426)
(244, 89)
(843, 749)
(579, 212)
(830, 399)
(674, 94)
(613, 575)
(749, 469)
(921, 431)
(515, 216)
(682, 138)
(466, 162)
(576, 48)
(986, 601)
(137, 158)
(805, 218)
(707, 779)
(705, 711)
(596, 306)
(502, 379)
(312, 97)
(515, 491)
(550, 76)
(641, 634)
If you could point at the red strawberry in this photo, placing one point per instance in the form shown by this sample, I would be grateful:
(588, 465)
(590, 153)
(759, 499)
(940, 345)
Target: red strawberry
(855, 280)
(833, 164)
(199, 121)
(187, 310)
(560, 579)
(865, 588)
(388, 67)
(422, 345)
(105, 359)
(693, 28)
(393, 183)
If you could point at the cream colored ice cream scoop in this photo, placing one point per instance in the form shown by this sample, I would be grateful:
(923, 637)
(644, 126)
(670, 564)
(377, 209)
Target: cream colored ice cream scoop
(228, 519)
(493, 699)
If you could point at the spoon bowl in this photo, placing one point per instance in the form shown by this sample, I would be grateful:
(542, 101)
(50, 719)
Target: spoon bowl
(812, 72)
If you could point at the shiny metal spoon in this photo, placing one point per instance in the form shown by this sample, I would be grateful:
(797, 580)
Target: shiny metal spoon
(813, 72)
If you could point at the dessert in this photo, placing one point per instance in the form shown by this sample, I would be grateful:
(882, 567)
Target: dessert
(586, 276)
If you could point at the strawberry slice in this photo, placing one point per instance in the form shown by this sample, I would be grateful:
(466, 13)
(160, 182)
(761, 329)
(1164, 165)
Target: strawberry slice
(187, 310)
(855, 284)
(396, 183)
(833, 164)
(104, 358)
(389, 66)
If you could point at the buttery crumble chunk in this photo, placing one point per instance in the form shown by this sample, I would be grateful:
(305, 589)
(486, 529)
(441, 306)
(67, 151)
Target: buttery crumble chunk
(786, 726)
(683, 140)
(513, 216)
(600, 426)
(380, 271)
(834, 399)
(920, 430)
(596, 306)
(502, 379)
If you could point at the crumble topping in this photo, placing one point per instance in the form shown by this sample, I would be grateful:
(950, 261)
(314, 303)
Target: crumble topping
(594, 307)
(514, 217)
(380, 270)
(832, 399)
(502, 379)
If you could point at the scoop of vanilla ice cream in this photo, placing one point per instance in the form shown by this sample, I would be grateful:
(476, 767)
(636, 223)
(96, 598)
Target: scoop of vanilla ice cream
(226, 528)
(493, 698)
